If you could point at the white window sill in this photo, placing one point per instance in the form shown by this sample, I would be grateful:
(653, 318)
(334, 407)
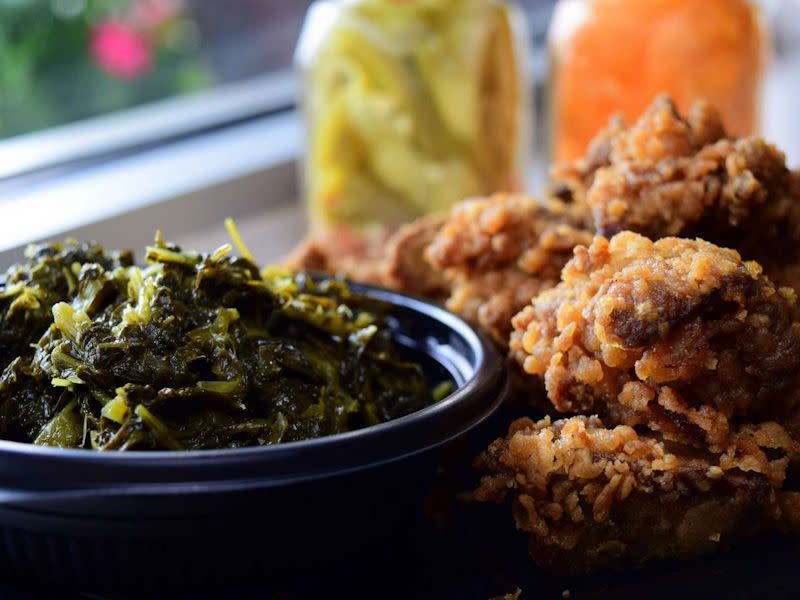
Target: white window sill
(181, 187)
(142, 126)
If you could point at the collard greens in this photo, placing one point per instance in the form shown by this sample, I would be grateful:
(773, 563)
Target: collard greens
(189, 351)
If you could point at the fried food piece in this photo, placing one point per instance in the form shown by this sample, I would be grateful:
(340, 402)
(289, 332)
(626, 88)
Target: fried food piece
(395, 261)
(594, 497)
(572, 180)
(680, 336)
(309, 255)
(670, 175)
(405, 267)
(501, 251)
(660, 134)
(505, 230)
(363, 263)
(485, 261)
(491, 299)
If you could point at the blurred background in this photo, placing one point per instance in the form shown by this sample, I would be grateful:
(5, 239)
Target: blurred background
(65, 60)
(120, 116)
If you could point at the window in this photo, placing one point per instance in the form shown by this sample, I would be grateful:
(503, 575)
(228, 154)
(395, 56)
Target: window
(87, 79)
(67, 60)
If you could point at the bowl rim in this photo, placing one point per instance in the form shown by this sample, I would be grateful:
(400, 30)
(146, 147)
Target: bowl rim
(487, 373)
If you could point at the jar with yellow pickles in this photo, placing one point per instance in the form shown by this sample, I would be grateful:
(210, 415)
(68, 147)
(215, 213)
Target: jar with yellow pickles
(410, 107)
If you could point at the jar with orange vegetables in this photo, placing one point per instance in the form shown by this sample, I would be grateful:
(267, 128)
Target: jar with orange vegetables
(614, 56)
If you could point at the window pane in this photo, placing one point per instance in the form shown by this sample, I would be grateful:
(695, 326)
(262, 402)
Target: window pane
(65, 60)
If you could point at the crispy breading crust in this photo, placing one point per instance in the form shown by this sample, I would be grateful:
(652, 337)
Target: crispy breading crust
(405, 267)
(670, 175)
(491, 299)
(594, 497)
(317, 254)
(395, 261)
(681, 339)
(678, 335)
(661, 133)
(501, 251)
(505, 230)
(570, 181)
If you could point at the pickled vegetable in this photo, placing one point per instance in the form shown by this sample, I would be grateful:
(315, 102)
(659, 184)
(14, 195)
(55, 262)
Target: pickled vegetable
(190, 351)
(615, 56)
(412, 106)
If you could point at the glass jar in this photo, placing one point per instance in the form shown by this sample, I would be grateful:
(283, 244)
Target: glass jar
(615, 56)
(409, 107)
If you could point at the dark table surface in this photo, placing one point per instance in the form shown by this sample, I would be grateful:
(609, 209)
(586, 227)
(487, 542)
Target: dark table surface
(481, 562)
(472, 551)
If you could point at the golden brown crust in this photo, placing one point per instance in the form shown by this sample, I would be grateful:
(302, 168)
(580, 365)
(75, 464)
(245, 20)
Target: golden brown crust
(405, 267)
(719, 193)
(679, 335)
(364, 264)
(491, 299)
(594, 497)
(505, 230)
(660, 134)
(501, 251)
(679, 338)
(393, 260)
(572, 180)
(486, 260)
(670, 175)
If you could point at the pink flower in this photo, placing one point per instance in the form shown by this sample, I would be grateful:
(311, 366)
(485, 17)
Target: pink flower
(120, 50)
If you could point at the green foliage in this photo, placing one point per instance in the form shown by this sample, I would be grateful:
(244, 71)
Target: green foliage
(48, 75)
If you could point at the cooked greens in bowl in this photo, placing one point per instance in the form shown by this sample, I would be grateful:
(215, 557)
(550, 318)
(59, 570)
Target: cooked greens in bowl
(191, 351)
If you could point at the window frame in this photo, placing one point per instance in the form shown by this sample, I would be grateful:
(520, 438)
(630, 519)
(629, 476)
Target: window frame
(245, 167)
(145, 126)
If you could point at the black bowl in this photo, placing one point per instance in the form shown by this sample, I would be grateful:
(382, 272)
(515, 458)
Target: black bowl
(149, 519)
